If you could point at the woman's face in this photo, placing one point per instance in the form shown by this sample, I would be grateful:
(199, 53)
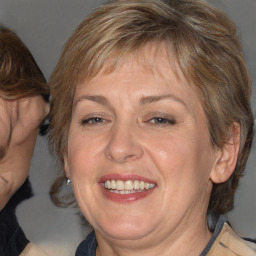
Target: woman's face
(139, 152)
(19, 126)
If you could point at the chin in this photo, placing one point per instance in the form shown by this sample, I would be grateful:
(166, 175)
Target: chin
(127, 230)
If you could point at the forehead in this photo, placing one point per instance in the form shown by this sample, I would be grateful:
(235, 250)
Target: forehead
(152, 58)
(108, 62)
(150, 72)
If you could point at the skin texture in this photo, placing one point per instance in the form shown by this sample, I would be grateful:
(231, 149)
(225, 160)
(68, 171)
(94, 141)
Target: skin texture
(19, 127)
(130, 130)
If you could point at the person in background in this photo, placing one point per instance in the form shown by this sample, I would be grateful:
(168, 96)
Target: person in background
(24, 105)
(151, 120)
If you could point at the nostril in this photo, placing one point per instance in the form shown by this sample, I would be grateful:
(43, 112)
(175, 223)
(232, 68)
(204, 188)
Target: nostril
(130, 156)
(121, 157)
(109, 157)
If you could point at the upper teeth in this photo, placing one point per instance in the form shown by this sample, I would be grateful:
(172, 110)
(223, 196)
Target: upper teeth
(128, 185)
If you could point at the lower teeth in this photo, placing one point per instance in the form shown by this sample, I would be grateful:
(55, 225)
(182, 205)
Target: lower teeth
(125, 192)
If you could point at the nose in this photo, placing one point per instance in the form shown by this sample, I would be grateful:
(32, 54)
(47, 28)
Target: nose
(123, 145)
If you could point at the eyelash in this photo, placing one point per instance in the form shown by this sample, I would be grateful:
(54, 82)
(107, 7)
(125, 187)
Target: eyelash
(154, 120)
(162, 121)
(93, 121)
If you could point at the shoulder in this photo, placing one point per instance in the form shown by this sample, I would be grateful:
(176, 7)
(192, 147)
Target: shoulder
(33, 250)
(228, 243)
(251, 243)
(88, 246)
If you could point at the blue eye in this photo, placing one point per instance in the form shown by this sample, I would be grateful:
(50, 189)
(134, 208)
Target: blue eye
(92, 121)
(162, 121)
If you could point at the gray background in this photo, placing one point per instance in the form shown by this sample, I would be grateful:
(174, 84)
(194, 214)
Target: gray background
(44, 25)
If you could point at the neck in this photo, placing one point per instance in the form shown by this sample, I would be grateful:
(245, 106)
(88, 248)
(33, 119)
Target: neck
(187, 241)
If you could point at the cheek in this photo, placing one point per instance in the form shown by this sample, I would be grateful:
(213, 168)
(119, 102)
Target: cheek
(82, 156)
(182, 159)
(77, 157)
(79, 166)
(171, 152)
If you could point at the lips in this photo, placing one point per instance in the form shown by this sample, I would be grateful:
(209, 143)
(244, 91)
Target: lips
(126, 188)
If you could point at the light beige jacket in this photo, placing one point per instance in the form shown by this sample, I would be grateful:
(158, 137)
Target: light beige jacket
(229, 244)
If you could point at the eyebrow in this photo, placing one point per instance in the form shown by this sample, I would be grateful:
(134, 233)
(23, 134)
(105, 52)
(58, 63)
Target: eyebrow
(144, 100)
(152, 99)
(95, 98)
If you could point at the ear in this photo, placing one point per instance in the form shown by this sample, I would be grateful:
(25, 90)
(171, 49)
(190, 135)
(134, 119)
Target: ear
(66, 165)
(227, 156)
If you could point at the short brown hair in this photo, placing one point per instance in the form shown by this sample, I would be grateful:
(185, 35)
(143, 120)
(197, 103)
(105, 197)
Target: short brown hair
(20, 75)
(203, 41)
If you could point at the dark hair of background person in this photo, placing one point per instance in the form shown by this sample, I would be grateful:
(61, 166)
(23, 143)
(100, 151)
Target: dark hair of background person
(20, 75)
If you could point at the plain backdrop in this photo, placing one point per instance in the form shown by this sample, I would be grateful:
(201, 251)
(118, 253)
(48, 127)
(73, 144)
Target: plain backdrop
(44, 26)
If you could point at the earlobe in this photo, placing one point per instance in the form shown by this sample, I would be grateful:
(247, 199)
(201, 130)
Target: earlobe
(227, 156)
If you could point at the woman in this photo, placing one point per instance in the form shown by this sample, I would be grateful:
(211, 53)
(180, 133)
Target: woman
(24, 105)
(151, 120)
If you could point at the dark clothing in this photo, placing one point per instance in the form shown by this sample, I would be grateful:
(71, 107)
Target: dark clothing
(12, 238)
(216, 232)
(88, 246)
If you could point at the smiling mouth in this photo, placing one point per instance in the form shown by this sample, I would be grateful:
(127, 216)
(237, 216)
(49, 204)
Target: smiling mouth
(127, 187)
